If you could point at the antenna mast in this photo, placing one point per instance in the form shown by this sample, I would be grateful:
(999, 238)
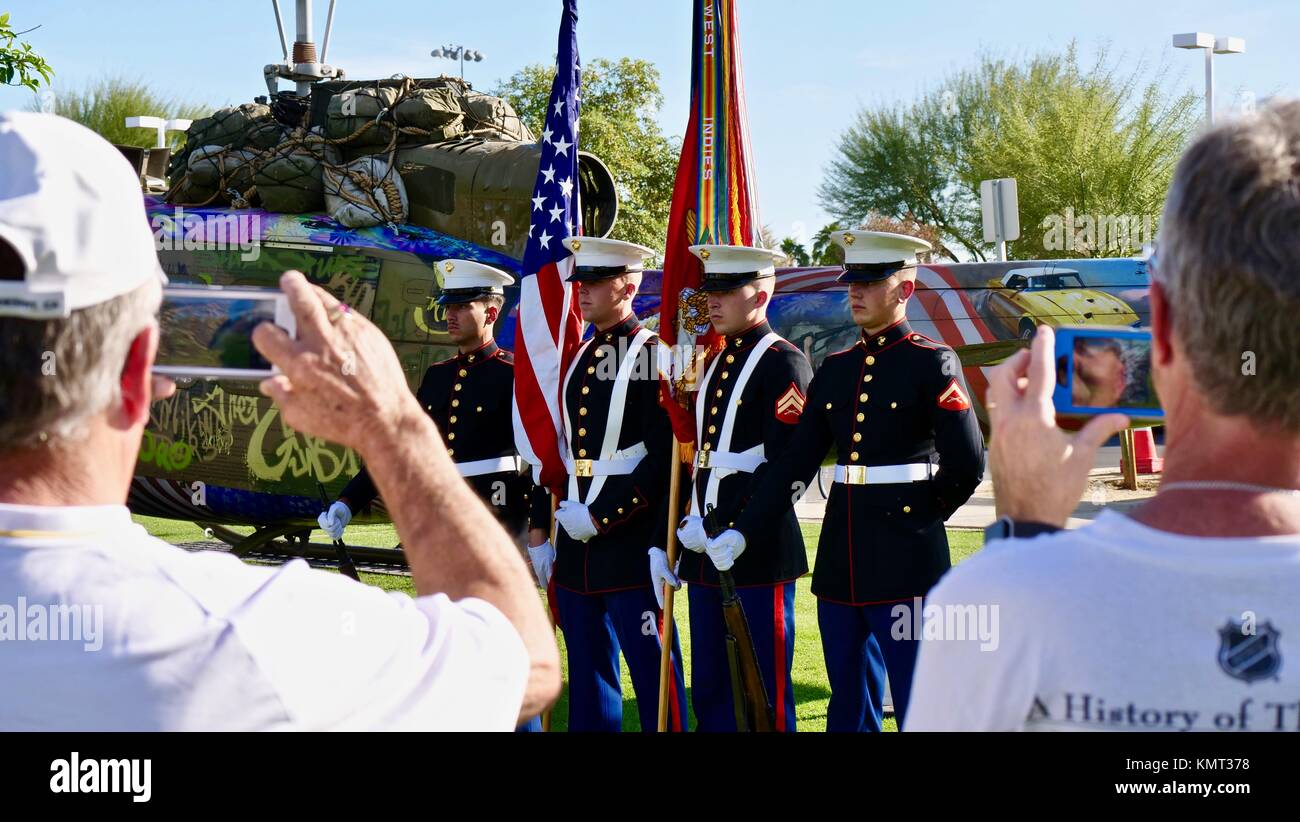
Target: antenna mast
(302, 67)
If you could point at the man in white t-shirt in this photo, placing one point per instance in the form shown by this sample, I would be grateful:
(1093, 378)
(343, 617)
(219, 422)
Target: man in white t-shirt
(103, 627)
(1185, 614)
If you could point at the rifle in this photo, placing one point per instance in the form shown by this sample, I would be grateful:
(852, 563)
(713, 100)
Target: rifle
(749, 695)
(346, 566)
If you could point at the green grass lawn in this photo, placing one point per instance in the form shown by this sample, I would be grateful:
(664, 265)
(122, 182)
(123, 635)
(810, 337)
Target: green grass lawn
(812, 694)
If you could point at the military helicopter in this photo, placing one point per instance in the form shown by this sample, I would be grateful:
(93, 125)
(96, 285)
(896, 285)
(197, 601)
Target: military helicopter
(218, 454)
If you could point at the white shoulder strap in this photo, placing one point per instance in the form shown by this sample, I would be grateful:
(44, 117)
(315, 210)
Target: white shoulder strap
(729, 417)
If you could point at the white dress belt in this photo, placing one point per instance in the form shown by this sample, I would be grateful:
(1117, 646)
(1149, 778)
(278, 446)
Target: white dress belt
(494, 465)
(729, 462)
(622, 462)
(883, 474)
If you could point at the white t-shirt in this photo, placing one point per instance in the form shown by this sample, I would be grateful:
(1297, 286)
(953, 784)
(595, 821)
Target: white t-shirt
(1117, 626)
(103, 627)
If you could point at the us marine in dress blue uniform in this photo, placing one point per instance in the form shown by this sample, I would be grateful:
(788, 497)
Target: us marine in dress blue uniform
(896, 410)
(748, 404)
(469, 398)
(618, 445)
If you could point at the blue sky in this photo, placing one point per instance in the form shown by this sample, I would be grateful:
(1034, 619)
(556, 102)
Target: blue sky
(809, 65)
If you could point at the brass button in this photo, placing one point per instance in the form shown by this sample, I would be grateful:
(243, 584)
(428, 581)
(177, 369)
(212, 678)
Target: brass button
(620, 510)
(893, 405)
(452, 435)
(582, 432)
(591, 369)
(604, 520)
(586, 389)
(451, 451)
(862, 398)
(713, 429)
(725, 375)
(731, 525)
(871, 360)
(718, 393)
(861, 416)
(463, 372)
(731, 358)
(582, 452)
(867, 378)
(582, 412)
(453, 420)
(916, 336)
(857, 437)
(635, 500)
(828, 406)
(454, 404)
(854, 456)
(738, 402)
(430, 407)
(707, 446)
(456, 387)
(479, 409)
(713, 410)
(600, 352)
(907, 509)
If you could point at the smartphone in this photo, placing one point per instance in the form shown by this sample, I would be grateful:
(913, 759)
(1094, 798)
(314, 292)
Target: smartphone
(1100, 369)
(207, 331)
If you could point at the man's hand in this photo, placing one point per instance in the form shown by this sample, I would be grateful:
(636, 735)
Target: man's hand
(543, 559)
(691, 534)
(660, 575)
(340, 379)
(725, 548)
(335, 519)
(576, 519)
(1039, 471)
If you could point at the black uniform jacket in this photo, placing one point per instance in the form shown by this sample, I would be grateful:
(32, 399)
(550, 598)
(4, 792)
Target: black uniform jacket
(469, 398)
(627, 506)
(895, 397)
(766, 412)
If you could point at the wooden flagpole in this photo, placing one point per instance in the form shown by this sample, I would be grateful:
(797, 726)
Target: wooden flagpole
(550, 612)
(670, 548)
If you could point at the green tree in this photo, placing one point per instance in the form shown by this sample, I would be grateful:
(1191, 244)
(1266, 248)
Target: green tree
(19, 64)
(103, 107)
(620, 100)
(795, 253)
(1085, 145)
(825, 252)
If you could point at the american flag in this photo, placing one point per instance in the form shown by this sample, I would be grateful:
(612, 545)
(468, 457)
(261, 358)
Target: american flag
(550, 324)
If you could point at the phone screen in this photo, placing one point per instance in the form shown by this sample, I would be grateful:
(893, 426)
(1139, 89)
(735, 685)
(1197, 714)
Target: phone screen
(205, 331)
(1099, 370)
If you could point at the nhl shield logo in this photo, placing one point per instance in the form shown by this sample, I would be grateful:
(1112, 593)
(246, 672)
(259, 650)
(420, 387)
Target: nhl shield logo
(1252, 656)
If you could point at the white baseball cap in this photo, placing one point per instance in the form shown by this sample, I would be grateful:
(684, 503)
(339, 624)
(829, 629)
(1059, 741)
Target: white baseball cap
(73, 210)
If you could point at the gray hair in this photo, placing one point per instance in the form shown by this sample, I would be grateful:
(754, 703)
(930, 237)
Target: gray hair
(55, 375)
(1229, 259)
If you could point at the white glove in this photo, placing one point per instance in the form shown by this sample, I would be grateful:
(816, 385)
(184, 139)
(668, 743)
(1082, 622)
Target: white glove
(335, 520)
(543, 557)
(660, 575)
(576, 520)
(725, 548)
(691, 534)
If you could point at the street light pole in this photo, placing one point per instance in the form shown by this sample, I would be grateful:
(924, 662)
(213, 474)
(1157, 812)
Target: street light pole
(1211, 45)
(460, 53)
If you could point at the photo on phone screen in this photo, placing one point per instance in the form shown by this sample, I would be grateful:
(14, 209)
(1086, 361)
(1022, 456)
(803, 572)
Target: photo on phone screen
(1099, 371)
(209, 332)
